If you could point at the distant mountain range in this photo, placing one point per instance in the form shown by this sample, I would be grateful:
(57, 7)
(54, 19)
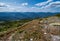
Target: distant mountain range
(23, 15)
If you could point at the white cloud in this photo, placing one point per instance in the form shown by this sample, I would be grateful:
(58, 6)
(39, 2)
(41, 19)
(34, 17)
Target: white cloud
(50, 0)
(13, 8)
(51, 7)
(4, 5)
(43, 3)
(53, 4)
(24, 4)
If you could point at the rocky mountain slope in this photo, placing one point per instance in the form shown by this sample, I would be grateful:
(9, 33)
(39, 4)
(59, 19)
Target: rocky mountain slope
(46, 29)
(42, 29)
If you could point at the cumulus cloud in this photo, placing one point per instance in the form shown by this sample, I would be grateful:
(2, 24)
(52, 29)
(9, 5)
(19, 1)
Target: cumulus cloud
(48, 6)
(24, 4)
(4, 5)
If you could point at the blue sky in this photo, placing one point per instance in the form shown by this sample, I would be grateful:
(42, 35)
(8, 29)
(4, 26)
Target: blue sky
(29, 5)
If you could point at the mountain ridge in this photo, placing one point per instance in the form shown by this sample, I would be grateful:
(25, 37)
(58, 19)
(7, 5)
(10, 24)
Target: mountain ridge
(23, 15)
